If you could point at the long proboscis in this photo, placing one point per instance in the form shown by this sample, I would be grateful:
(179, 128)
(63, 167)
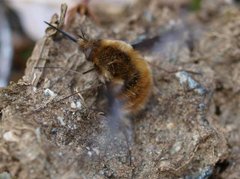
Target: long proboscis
(64, 33)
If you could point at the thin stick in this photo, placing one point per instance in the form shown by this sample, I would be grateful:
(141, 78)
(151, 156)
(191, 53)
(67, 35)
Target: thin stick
(66, 97)
(74, 71)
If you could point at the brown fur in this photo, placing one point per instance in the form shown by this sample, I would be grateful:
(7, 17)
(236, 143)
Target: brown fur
(118, 63)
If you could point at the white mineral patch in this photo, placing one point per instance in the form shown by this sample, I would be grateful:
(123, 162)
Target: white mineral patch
(170, 125)
(38, 134)
(34, 78)
(10, 136)
(96, 150)
(48, 92)
(185, 78)
(176, 147)
(34, 89)
(89, 153)
(61, 120)
(76, 105)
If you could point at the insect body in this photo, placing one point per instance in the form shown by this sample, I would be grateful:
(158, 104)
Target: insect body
(118, 63)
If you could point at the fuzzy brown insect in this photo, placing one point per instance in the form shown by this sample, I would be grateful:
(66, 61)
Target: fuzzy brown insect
(118, 63)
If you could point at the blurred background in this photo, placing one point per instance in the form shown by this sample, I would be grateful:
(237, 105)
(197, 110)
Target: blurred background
(21, 25)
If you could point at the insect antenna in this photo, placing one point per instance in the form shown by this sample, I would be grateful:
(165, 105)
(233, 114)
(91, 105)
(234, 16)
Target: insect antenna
(64, 33)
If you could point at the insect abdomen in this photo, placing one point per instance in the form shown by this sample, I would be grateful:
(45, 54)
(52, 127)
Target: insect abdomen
(118, 61)
(138, 88)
